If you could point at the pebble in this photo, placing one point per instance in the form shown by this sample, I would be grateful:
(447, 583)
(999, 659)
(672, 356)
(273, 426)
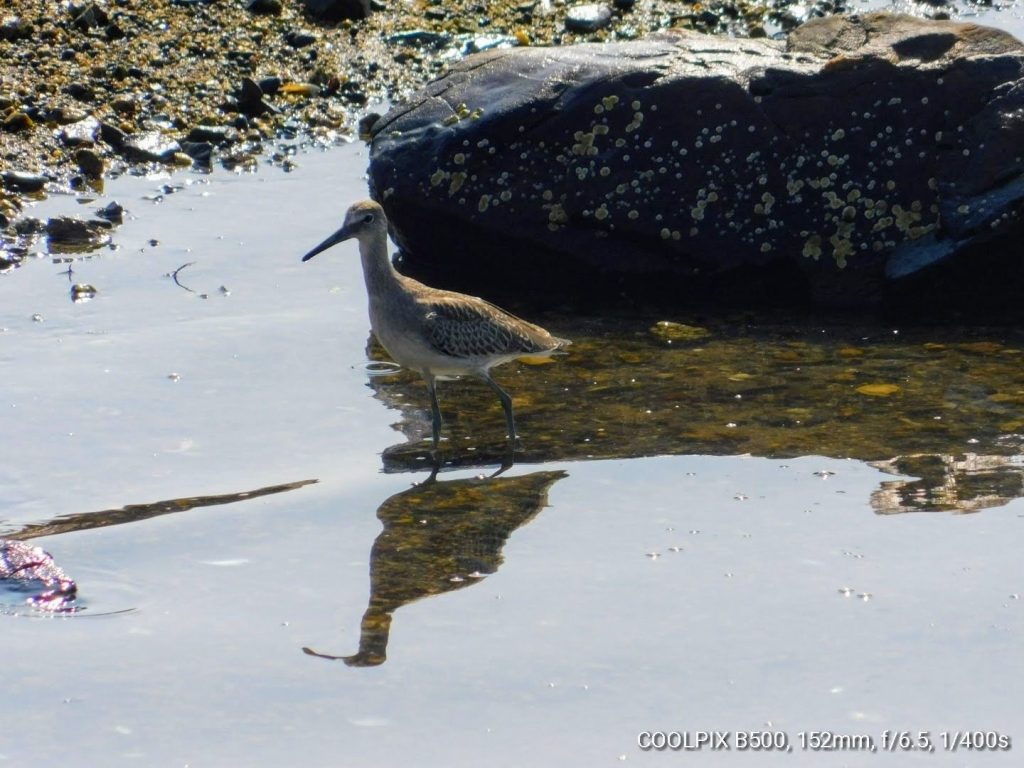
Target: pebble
(150, 147)
(18, 121)
(29, 225)
(125, 105)
(90, 163)
(588, 18)
(89, 16)
(82, 133)
(201, 152)
(14, 28)
(299, 38)
(366, 123)
(113, 135)
(270, 85)
(418, 38)
(82, 292)
(80, 92)
(68, 231)
(112, 212)
(489, 42)
(21, 181)
(250, 99)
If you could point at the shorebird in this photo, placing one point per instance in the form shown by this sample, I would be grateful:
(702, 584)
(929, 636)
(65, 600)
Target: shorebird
(441, 334)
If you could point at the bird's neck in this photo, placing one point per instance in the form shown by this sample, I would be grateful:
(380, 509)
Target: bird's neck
(378, 272)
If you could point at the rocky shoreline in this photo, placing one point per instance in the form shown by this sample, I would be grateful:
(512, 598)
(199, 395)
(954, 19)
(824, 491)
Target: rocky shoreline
(92, 90)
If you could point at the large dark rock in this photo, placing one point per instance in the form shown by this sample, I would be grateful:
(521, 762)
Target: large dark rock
(862, 153)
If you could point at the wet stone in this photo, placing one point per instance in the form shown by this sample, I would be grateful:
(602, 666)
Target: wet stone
(299, 38)
(18, 121)
(269, 85)
(113, 135)
(489, 42)
(20, 181)
(366, 123)
(215, 134)
(66, 116)
(112, 212)
(250, 99)
(83, 292)
(124, 105)
(201, 152)
(88, 16)
(80, 92)
(354, 94)
(15, 28)
(90, 163)
(419, 38)
(150, 146)
(82, 133)
(68, 232)
(29, 225)
(588, 18)
(240, 160)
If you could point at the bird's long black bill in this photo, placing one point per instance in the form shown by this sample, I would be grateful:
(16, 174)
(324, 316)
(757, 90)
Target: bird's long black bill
(339, 236)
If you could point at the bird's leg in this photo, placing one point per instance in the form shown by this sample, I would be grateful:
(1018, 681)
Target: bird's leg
(506, 403)
(435, 409)
(508, 461)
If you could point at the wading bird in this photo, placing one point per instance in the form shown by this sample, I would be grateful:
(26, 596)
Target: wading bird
(441, 334)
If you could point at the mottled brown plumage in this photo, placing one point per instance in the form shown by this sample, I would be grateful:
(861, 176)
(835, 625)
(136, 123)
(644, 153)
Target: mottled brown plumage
(438, 333)
(466, 327)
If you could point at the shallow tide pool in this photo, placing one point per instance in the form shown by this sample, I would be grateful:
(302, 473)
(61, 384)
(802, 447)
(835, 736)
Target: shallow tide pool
(205, 457)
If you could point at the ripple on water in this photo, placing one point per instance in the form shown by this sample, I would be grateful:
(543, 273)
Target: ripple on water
(377, 367)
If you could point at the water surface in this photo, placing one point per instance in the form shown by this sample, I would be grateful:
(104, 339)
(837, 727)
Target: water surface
(691, 537)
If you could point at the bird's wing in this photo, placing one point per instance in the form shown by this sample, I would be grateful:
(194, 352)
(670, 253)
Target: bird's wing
(469, 327)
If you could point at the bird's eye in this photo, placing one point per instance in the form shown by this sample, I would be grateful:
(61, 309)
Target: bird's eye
(368, 218)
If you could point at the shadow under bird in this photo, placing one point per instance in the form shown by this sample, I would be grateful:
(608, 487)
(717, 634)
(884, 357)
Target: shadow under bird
(441, 334)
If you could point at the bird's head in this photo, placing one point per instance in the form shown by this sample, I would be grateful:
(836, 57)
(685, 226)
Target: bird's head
(363, 220)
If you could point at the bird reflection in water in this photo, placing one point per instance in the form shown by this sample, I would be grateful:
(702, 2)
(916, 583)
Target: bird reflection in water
(439, 536)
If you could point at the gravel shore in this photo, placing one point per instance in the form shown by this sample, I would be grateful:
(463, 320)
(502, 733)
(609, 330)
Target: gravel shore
(91, 90)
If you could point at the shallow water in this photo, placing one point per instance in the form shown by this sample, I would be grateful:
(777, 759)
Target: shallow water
(255, 590)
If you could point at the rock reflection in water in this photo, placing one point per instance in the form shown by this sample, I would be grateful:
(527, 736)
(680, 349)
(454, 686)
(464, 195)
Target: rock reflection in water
(747, 386)
(27, 569)
(133, 513)
(439, 536)
(962, 484)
